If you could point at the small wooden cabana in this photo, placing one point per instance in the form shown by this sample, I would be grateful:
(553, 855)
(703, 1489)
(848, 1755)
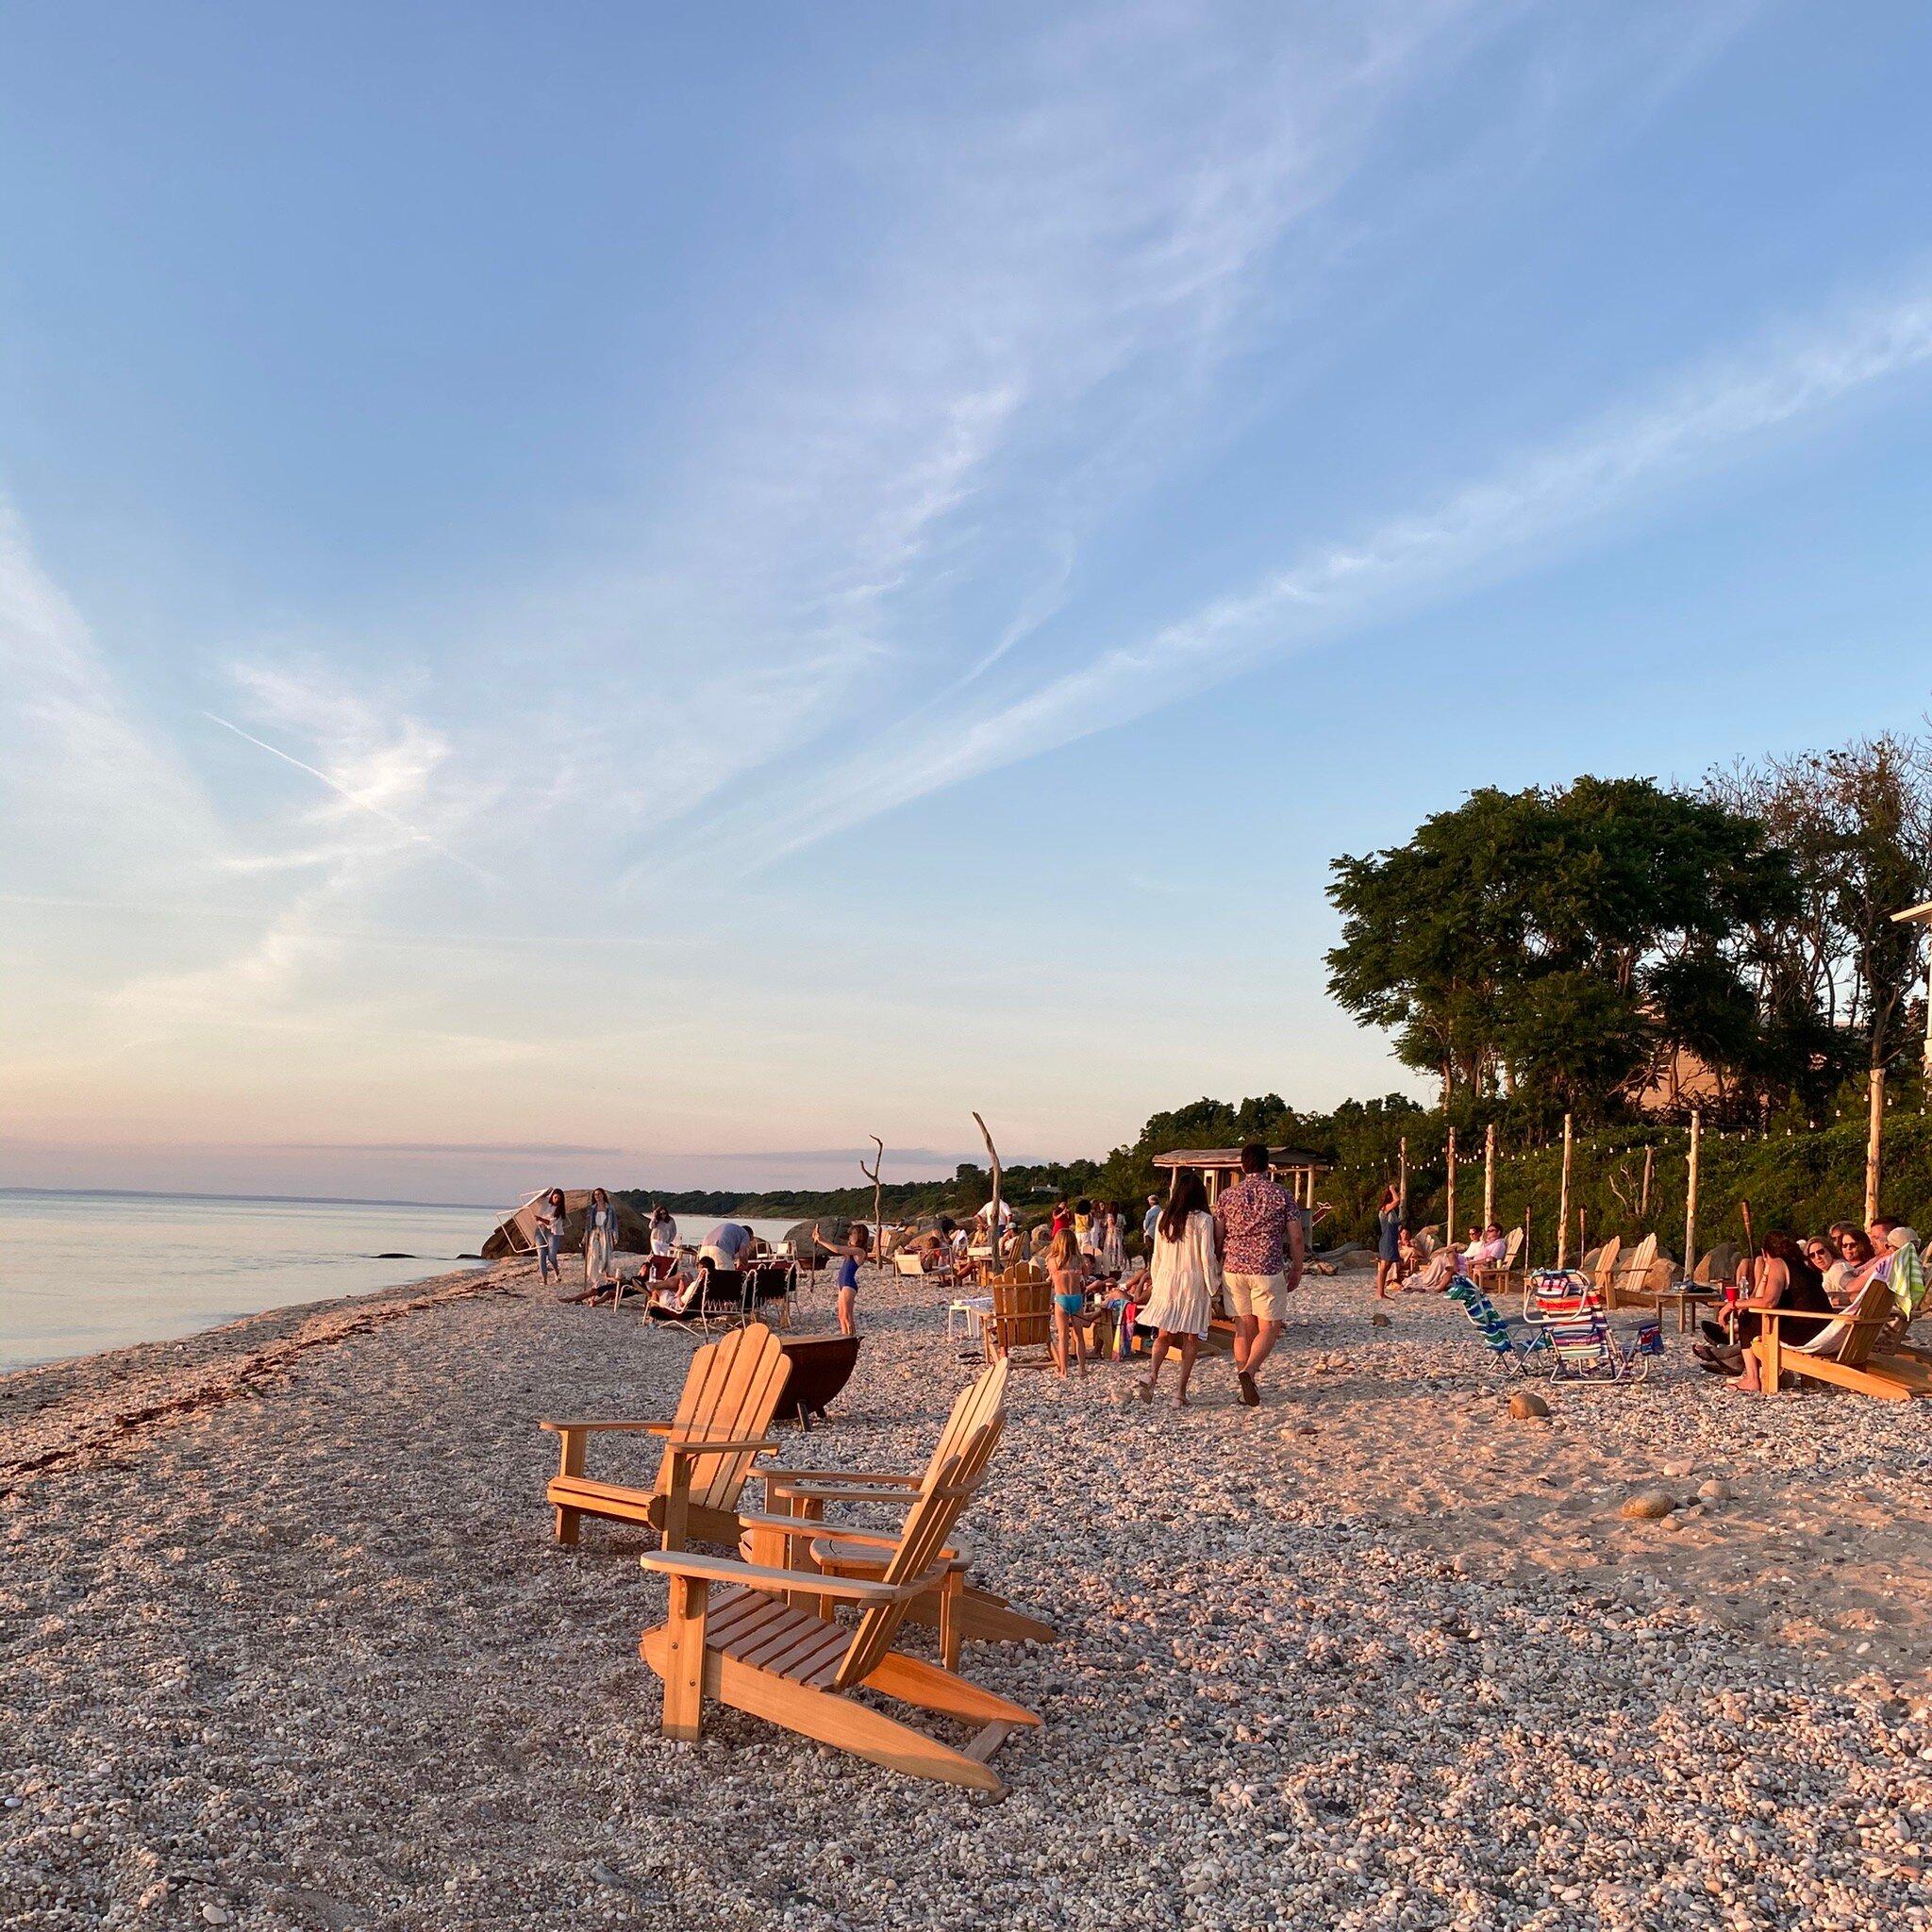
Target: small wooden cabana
(1295, 1168)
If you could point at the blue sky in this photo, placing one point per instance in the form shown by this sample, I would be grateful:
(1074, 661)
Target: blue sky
(659, 590)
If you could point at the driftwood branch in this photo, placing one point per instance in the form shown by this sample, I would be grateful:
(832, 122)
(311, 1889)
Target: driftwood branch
(871, 1173)
(993, 1220)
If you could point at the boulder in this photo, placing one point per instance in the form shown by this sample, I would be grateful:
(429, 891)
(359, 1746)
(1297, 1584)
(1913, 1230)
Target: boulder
(1378, 1319)
(1526, 1406)
(1714, 1490)
(1648, 1506)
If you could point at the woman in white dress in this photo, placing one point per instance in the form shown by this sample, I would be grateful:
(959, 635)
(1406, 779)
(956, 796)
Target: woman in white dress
(1113, 1246)
(1185, 1277)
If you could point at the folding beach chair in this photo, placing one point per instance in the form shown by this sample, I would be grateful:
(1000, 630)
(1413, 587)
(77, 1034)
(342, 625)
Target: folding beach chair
(1509, 1342)
(1568, 1309)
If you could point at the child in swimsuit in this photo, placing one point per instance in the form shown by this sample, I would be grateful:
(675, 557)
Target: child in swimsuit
(850, 1252)
(1067, 1270)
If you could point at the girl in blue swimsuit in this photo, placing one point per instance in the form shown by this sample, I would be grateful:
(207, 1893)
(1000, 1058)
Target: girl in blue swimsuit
(1066, 1267)
(856, 1248)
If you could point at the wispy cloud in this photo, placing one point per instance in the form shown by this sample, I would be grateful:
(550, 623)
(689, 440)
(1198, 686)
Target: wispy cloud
(1515, 518)
(362, 801)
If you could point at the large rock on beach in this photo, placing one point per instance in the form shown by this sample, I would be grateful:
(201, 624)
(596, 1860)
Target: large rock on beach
(1526, 1406)
(1648, 1506)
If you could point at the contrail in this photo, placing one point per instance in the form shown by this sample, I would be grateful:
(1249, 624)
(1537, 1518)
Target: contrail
(389, 818)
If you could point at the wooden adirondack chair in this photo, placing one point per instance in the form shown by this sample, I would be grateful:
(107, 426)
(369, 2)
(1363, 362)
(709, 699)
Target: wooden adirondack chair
(722, 1422)
(1840, 1353)
(958, 1609)
(763, 1648)
(1602, 1265)
(1020, 1319)
(1630, 1277)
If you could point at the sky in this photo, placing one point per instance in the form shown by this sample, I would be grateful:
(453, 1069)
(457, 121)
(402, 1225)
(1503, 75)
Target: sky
(642, 595)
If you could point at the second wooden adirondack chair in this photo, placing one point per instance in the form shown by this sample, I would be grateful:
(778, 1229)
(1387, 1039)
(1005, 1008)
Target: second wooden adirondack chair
(958, 1610)
(730, 1390)
(1630, 1278)
(763, 1647)
(1021, 1325)
(1842, 1352)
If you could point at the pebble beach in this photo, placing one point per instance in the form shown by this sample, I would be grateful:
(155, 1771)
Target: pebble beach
(285, 1643)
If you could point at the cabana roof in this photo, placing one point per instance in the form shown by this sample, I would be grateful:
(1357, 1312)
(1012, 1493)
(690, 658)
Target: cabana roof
(1222, 1159)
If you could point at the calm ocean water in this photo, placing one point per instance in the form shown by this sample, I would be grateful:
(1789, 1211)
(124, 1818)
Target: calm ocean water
(84, 1272)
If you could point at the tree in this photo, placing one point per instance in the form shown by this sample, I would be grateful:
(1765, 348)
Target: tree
(1572, 939)
(1857, 823)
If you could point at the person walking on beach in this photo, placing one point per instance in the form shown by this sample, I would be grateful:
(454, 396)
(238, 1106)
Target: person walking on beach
(663, 1232)
(1388, 1242)
(600, 1243)
(550, 1216)
(1255, 1222)
(851, 1252)
(1149, 1221)
(1185, 1273)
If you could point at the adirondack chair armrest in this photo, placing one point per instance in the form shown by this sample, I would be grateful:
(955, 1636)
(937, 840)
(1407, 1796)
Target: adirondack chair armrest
(1846, 1319)
(684, 1447)
(561, 1428)
(785, 1477)
(754, 1576)
(797, 1528)
(893, 1496)
(839, 1540)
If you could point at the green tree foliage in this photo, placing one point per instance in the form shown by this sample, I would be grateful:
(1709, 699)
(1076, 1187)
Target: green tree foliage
(1563, 943)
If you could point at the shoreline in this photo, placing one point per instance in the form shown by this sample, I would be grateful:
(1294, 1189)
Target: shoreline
(284, 1633)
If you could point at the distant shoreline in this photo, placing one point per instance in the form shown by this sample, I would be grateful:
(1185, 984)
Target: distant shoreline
(496, 1207)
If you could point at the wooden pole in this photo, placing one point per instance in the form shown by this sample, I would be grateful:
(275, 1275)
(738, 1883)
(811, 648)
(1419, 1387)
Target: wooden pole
(871, 1173)
(1563, 1202)
(1489, 1176)
(1874, 1139)
(1691, 1198)
(1449, 1210)
(1643, 1199)
(1402, 1182)
(993, 1153)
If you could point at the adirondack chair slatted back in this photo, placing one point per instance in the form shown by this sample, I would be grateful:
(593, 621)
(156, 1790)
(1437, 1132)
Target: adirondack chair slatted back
(1020, 1317)
(1855, 1346)
(928, 1524)
(980, 1401)
(730, 1390)
(1512, 1247)
(1603, 1270)
(1633, 1272)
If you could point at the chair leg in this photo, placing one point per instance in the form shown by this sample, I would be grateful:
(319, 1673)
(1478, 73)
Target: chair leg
(684, 1658)
(568, 1523)
(912, 1680)
(848, 1726)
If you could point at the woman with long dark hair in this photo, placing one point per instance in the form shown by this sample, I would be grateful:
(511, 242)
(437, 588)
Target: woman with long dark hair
(550, 1218)
(1185, 1276)
(1780, 1277)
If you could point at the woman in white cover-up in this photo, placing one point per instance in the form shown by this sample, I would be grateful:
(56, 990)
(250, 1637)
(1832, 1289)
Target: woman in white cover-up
(1185, 1277)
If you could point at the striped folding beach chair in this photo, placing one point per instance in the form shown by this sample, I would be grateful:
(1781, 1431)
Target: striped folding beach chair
(1567, 1307)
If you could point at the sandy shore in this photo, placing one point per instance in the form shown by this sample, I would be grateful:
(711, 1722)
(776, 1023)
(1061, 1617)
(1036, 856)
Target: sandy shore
(284, 1642)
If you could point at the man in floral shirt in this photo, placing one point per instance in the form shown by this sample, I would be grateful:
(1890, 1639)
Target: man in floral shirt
(1253, 1219)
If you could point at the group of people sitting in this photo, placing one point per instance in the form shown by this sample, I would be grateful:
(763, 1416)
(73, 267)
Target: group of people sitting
(1811, 1282)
